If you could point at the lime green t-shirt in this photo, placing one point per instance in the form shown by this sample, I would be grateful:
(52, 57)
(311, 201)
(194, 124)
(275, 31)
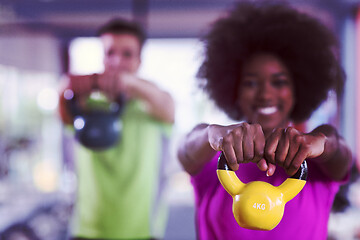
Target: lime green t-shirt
(119, 189)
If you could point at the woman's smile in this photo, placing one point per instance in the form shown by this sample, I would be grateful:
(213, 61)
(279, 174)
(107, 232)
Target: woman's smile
(267, 110)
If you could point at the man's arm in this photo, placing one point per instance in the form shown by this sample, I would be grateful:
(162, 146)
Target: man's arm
(159, 103)
(81, 85)
(65, 115)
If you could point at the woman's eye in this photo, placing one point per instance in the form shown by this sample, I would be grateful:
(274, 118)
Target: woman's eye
(249, 83)
(280, 82)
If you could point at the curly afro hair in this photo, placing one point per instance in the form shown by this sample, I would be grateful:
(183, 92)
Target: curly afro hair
(304, 45)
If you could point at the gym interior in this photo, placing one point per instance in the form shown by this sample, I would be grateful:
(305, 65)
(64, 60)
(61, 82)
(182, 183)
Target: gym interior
(41, 40)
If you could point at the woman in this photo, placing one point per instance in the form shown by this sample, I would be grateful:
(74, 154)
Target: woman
(270, 66)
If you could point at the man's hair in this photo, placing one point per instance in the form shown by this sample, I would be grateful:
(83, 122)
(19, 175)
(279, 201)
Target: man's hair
(300, 41)
(122, 26)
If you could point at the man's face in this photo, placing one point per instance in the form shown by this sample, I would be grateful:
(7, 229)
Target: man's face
(122, 52)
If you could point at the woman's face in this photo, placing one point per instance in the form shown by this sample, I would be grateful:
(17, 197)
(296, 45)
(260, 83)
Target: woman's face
(266, 94)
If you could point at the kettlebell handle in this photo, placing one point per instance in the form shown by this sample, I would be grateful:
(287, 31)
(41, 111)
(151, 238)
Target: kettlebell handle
(259, 205)
(301, 174)
(75, 110)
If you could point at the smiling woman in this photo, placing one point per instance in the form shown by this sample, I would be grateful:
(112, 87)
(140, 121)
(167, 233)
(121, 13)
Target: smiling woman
(269, 66)
(266, 92)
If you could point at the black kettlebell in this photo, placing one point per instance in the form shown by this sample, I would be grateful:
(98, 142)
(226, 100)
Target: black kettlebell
(96, 129)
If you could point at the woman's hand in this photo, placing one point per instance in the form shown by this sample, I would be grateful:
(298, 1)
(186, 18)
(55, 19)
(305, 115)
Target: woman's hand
(240, 143)
(288, 148)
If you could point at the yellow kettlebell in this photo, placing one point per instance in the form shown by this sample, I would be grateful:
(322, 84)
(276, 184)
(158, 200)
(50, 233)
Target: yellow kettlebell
(259, 205)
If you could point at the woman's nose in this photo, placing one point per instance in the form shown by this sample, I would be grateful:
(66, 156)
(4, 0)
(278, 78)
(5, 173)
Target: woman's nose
(265, 90)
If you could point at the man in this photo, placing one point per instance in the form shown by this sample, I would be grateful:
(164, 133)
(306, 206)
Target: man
(119, 196)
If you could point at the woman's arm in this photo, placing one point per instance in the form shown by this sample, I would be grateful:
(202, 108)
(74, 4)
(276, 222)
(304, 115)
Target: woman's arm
(194, 150)
(337, 157)
(288, 148)
(202, 143)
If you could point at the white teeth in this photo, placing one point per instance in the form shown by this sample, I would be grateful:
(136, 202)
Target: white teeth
(267, 110)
